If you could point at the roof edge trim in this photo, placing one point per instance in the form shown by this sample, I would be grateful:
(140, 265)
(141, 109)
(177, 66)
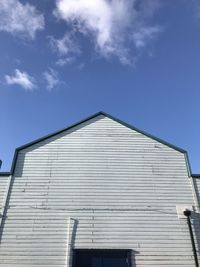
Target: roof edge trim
(5, 173)
(195, 175)
(145, 133)
(87, 119)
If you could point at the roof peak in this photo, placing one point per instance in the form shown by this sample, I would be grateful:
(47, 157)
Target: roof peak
(87, 119)
(108, 116)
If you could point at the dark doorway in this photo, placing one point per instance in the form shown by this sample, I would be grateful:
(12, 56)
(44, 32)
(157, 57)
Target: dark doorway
(101, 258)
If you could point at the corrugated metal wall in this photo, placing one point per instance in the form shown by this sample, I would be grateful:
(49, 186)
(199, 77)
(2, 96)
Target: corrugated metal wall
(120, 187)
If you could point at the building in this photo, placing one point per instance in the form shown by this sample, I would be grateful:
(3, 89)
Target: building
(100, 193)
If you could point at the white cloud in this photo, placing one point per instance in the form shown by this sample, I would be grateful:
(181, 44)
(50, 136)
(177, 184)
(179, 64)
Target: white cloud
(65, 61)
(111, 24)
(20, 19)
(51, 77)
(21, 78)
(144, 35)
(67, 47)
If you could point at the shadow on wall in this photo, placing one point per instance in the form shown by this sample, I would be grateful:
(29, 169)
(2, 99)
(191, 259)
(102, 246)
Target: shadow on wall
(6, 209)
(196, 218)
(98, 257)
(197, 188)
(71, 242)
(196, 227)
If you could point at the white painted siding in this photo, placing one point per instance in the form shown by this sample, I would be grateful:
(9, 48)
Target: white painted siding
(196, 182)
(3, 187)
(120, 186)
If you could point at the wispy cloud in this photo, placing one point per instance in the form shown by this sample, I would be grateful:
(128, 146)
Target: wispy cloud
(51, 77)
(67, 48)
(196, 5)
(20, 19)
(142, 37)
(22, 79)
(81, 66)
(114, 26)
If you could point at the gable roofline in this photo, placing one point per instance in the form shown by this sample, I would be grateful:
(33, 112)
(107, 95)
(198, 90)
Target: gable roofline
(4, 173)
(87, 119)
(196, 175)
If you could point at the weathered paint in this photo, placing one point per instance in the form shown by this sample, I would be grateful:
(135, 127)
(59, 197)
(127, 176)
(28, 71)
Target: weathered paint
(120, 186)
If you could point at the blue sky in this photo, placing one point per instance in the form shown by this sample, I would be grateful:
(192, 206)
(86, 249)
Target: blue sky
(63, 60)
